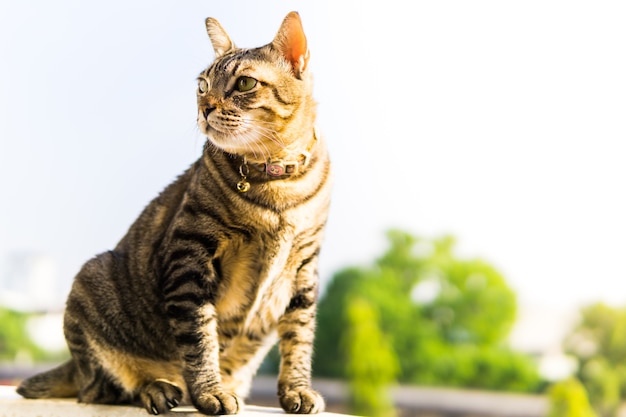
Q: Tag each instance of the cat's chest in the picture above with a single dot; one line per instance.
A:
(257, 281)
(258, 274)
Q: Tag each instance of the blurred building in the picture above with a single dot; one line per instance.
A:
(539, 331)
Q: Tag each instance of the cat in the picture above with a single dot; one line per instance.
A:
(223, 263)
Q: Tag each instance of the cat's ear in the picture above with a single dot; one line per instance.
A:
(219, 38)
(291, 43)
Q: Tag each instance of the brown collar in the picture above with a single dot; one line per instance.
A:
(276, 167)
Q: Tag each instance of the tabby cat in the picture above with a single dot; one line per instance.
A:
(223, 263)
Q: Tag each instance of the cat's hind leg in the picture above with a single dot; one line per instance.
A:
(118, 360)
(156, 385)
(58, 382)
(99, 387)
(128, 379)
(159, 396)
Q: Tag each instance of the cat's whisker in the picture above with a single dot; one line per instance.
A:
(263, 150)
(269, 134)
(252, 130)
(252, 142)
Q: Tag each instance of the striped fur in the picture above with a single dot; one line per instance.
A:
(208, 278)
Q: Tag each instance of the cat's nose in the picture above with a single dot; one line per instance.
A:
(206, 110)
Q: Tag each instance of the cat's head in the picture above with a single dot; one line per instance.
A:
(257, 102)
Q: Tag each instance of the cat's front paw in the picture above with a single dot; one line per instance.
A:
(301, 400)
(219, 402)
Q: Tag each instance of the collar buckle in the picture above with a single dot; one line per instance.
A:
(277, 168)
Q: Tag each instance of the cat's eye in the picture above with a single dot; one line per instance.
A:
(245, 84)
(203, 85)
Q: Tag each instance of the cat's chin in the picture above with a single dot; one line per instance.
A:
(244, 144)
(226, 143)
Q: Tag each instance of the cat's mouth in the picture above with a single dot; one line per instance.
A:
(243, 138)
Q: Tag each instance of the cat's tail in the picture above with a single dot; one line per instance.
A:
(55, 383)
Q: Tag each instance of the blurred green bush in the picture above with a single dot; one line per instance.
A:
(599, 344)
(16, 346)
(445, 319)
(568, 398)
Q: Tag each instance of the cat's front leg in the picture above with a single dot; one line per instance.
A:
(296, 330)
(188, 292)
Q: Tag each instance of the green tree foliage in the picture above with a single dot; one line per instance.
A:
(599, 343)
(13, 337)
(569, 399)
(371, 362)
(445, 318)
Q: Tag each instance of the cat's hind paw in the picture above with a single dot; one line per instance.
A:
(159, 397)
(301, 401)
(217, 403)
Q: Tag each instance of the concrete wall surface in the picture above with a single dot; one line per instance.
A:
(13, 405)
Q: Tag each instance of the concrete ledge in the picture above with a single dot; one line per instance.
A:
(13, 405)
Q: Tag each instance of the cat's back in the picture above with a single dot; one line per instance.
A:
(149, 228)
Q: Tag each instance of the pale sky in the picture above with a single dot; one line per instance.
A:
(500, 122)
